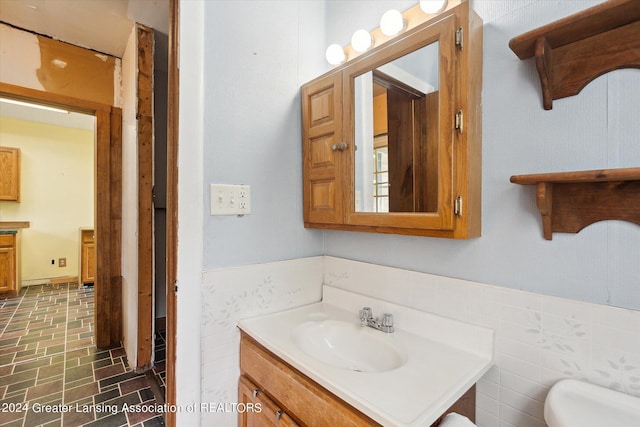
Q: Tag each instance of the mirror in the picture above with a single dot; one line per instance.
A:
(396, 134)
(392, 137)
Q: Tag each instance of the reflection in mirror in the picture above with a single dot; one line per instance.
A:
(396, 135)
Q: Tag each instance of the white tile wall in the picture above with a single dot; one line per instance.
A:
(231, 294)
(539, 339)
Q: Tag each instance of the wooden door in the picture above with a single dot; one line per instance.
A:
(324, 156)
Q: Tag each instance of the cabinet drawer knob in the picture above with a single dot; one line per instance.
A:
(255, 392)
(278, 415)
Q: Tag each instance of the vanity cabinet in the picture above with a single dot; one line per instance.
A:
(392, 138)
(10, 174)
(288, 397)
(87, 256)
(295, 395)
(8, 264)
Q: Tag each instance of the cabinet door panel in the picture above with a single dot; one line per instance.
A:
(10, 174)
(323, 162)
(7, 269)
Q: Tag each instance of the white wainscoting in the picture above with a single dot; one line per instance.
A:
(539, 339)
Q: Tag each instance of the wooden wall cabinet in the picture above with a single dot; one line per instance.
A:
(288, 397)
(87, 256)
(9, 271)
(10, 174)
(434, 139)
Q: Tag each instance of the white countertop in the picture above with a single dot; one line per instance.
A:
(444, 358)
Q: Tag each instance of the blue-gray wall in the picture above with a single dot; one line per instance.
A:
(597, 129)
(258, 53)
(256, 58)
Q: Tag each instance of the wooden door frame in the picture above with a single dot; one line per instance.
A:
(144, 136)
(108, 212)
(172, 206)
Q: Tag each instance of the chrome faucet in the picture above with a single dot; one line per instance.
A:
(385, 324)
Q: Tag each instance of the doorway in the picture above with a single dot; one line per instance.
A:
(107, 215)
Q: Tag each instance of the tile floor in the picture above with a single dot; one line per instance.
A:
(51, 373)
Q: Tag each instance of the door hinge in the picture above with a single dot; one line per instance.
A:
(459, 121)
(175, 287)
(457, 206)
(460, 38)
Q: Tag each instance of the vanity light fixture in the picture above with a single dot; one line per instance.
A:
(392, 23)
(335, 54)
(433, 6)
(361, 41)
(29, 104)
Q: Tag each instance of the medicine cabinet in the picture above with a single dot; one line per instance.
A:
(392, 138)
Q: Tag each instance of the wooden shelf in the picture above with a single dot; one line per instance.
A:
(573, 51)
(569, 201)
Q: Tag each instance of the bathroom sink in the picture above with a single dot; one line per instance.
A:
(348, 346)
(406, 378)
(576, 403)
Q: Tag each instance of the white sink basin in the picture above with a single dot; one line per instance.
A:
(573, 403)
(349, 346)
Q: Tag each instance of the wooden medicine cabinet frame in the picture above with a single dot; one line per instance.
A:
(329, 146)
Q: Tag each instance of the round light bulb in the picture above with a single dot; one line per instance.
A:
(335, 54)
(391, 22)
(361, 40)
(432, 6)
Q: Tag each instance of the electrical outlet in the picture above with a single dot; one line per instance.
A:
(244, 200)
(62, 262)
(230, 199)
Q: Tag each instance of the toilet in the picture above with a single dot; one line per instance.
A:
(574, 403)
(456, 420)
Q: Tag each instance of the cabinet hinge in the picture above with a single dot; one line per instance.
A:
(175, 287)
(459, 121)
(457, 206)
(460, 38)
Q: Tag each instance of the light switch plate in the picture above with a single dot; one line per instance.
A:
(229, 199)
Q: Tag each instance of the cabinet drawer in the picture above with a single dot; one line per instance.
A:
(7, 240)
(259, 410)
(307, 402)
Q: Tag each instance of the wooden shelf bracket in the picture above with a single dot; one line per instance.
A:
(573, 51)
(570, 201)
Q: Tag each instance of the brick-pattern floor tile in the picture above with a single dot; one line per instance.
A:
(48, 357)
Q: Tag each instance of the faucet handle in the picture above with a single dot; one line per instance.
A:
(387, 319)
(365, 313)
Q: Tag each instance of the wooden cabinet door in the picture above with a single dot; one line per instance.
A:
(10, 174)
(88, 263)
(7, 263)
(255, 409)
(324, 156)
(88, 257)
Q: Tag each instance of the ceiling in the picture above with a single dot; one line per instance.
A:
(102, 25)
(33, 114)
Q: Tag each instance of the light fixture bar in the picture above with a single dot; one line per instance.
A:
(31, 105)
(421, 12)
